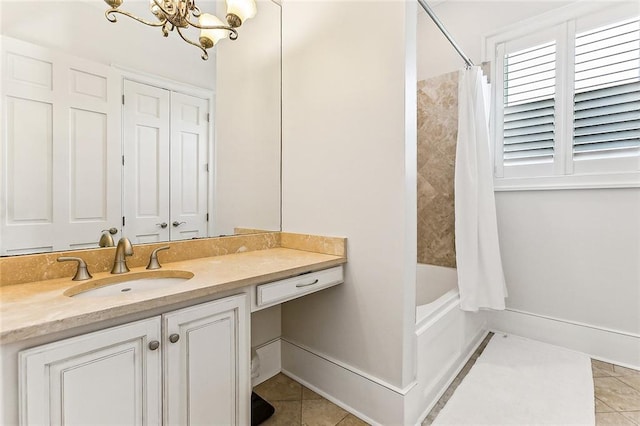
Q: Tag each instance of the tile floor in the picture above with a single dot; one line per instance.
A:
(297, 405)
(617, 398)
(617, 391)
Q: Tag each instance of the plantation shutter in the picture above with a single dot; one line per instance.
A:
(529, 106)
(607, 92)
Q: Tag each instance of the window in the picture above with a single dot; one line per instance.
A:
(566, 107)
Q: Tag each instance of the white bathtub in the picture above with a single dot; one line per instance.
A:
(436, 288)
(445, 337)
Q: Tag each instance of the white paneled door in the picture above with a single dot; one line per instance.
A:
(146, 163)
(60, 151)
(189, 140)
(165, 164)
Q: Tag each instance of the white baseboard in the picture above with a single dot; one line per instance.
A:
(270, 355)
(607, 345)
(343, 386)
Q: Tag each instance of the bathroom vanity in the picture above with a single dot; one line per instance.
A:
(176, 354)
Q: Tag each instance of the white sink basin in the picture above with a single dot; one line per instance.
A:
(131, 283)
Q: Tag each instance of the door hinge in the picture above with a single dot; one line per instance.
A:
(207, 217)
(122, 99)
(122, 220)
(208, 118)
(206, 167)
(123, 160)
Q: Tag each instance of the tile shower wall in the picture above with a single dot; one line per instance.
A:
(437, 135)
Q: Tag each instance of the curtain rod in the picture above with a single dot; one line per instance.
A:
(444, 31)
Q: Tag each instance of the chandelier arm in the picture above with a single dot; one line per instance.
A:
(233, 31)
(165, 12)
(111, 18)
(205, 55)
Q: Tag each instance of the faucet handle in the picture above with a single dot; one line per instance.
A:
(153, 259)
(82, 273)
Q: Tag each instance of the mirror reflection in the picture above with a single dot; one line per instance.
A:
(114, 130)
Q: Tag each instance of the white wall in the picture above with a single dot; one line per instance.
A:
(247, 125)
(573, 255)
(345, 113)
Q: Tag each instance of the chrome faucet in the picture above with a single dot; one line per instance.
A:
(123, 249)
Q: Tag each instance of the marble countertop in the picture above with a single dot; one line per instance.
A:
(38, 308)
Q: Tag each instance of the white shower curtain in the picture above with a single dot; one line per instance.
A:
(480, 276)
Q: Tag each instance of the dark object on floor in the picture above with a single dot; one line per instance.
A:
(261, 410)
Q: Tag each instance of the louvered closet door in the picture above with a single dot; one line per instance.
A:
(146, 162)
(189, 177)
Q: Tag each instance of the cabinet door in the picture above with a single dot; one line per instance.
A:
(146, 162)
(110, 377)
(189, 177)
(206, 369)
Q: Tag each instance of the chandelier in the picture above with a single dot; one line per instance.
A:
(182, 14)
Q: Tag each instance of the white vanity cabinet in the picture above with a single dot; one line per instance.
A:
(108, 377)
(206, 359)
(195, 359)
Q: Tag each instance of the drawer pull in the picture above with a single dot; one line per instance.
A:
(307, 285)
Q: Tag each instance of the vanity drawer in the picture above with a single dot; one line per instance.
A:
(283, 290)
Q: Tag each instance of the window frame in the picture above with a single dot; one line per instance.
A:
(560, 25)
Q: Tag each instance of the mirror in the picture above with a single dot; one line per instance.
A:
(240, 82)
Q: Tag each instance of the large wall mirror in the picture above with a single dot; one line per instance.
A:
(111, 129)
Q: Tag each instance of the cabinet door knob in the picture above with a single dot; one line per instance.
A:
(174, 338)
(154, 344)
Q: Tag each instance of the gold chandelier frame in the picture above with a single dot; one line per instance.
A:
(175, 15)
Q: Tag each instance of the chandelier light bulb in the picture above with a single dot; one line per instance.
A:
(208, 37)
(239, 11)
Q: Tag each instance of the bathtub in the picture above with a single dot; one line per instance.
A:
(436, 288)
(445, 337)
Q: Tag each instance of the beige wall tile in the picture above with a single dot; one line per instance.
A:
(617, 419)
(632, 380)
(601, 407)
(634, 416)
(616, 394)
(437, 136)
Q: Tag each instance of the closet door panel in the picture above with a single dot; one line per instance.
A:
(60, 153)
(93, 150)
(189, 176)
(146, 162)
